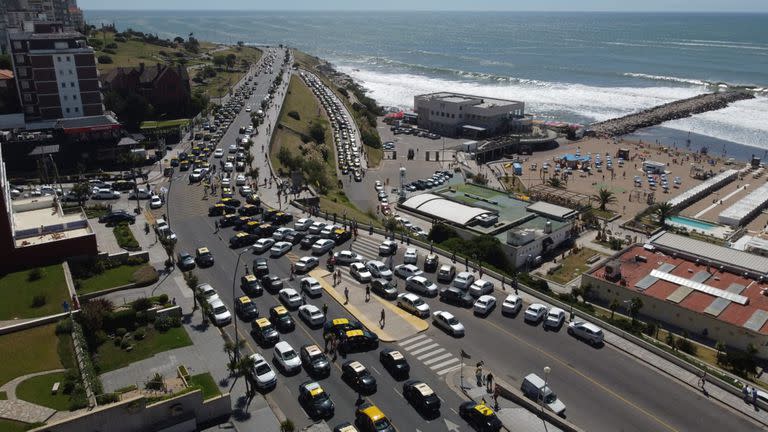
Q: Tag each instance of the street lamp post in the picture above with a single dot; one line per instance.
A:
(234, 279)
(547, 370)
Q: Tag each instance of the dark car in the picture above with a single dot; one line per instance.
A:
(272, 283)
(384, 288)
(339, 236)
(394, 362)
(228, 220)
(421, 396)
(249, 210)
(295, 237)
(116, 217)
(479, 416)
(246, 309)
(251, 286)
(357, 340)
(221, 209)
(231, 202)
(264, 332)
(269, 214)
(204, 257)
(358, 377)
(282, 218)
(241, 239)
(431, 263)
(253, 199)
(282, 319)
(316, 401)
(457, 297)
(309, 240)
(340, 325)
(186, 261)
(260, 267)
(315, 362)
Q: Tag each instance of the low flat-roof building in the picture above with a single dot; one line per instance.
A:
(713, 292)
(455, 114)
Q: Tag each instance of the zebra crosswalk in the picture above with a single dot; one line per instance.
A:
(431, 354)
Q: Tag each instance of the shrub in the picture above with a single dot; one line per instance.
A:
(141, 318)
(125, 318)
(134, 261)
(36, 274)
(105, 59)
(162, 298)
(109, 51)
(162, 324)
(71, 379)
(78, 399)
(107, 398)
(141, 304)
(155, 383)
(39, 300)
(124, 236)
(145, 275)
(121, 332)
(139, 334)
(125, 343)
(96, 43)
(317, 132)
(175, 321)
(294, 115)
(64, 326)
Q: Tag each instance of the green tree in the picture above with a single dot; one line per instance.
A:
(721, 352)
(231, 60)
(663, 211)
(82, 191)
(604, 197)
(634, 307)
(317, 132)
(219, 60)
(192, 281)
(169, 246)
(441, 232)
(613, 306)
(391, 224)
(92, 314)
(554, 182)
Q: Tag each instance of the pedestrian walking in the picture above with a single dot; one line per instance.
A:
(325, 309)
(479, 375)
(303, 298)
(703, 380)
(754, 396)
(367, 293)
(745, 392)
(334, 278)
(346, 295)
(293, 270)
(216, 224)
(338, 275)
(382, 319)
(489, 382)
(327, 339)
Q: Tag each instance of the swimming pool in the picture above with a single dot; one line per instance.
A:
(693, 223)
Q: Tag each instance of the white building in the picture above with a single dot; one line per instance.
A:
(454, 114)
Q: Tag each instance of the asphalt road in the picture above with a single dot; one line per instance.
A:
(603, 389)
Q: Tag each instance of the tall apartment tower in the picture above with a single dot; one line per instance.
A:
(55, 72)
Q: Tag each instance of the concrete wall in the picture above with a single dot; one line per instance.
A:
(667, 312)
(48, 253)
(182, 413)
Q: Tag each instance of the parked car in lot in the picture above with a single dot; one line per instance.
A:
(347, 257)
(262, 245)
(312, 315)
(117, 216)
(384, 288)
(410, 256)
(430, 263)
(484, 305)
(555, 318)
(464, 280)
(360, 272)
(404, 271)
(480, 287)
(387, 248)
(421, 285)
(279, 249)
(446, 273)
(155, 202)
(311, 286)
(511, 305)
(302, 224)
(586, 331)
(105, 194)
(307, 263)
(535, 313)
(537, 389)
(456, 297)
(322, 246)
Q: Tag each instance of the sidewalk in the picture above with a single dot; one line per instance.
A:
(23, 411)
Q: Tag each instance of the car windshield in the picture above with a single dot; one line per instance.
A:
(549, 397)
(418, 302)
(381, 424)
(262, 368)
(452, 320)
(220, 309)
(288, 355)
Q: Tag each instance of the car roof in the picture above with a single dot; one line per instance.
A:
(283, 346)
(373, 412)
(312, 349)
(262, 322)
(396, 355)
(356, 366)
(289, 291)
(310, 280)
(424, 389)
(445, 314)
(280, 310)
(486, 297)
(244, 300)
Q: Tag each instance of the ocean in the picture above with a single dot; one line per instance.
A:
(575, 67)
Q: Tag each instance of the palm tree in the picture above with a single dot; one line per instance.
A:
(554, 182)
(604, 197)
(192, 282)
(663, 211)
(287, 426)
(169, 246)
(634, 307)
(613, 306)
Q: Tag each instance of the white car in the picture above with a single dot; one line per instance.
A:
(287, 358)
(347, 257)
(405, 271)
(413, 304)
(218, 153)
(421, 285)
(360, 272)
(586, 331)
(164, 230)
(240, 180)
(105, 194)
(464, 280)
(484, 305)
(290, 298)
(219, 312)
(302, 224)
(196, 175)
(378, 185)
(511, 305)
(207, 292)
(265, 376)
(311, 315)
(281, 232)
(418, 231)
(311, 286)
(155, 202)
(316, 227)
(263, 244)
(233, 148)
(379, 270)
(410, 256)
(555, 318)
(248, 108)
(307, 263)
(322, 246)
(448, 322)
(535, 313)
(229, 166)
(480, 287)
(388, 247)
(280, 248)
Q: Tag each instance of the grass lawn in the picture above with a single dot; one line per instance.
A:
(38, 390)
(573, 265)
(134, 51)
(374, 156)
(207, 384)
(603, 214)
(163, 124)
(114, 277)
(342, 206)
(125, 238)
(28, 351)
(17, 293)
(14, 426)
(112, 357)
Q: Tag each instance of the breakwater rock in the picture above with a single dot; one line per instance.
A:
(670, 111)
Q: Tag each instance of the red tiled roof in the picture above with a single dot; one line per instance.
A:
(6, 74)
(633, 271)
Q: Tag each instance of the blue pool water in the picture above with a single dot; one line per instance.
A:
(693, 223)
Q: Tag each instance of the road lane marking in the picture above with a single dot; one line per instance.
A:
(430, 354)
(437, 359)
(375, 370)
(411, 340)
(426, 348)
(445, 363)
(417, 344)
(450, 369)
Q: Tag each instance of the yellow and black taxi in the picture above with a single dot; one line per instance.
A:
(282, 319)
(315, 362)
(175, 162)
(281, 218)
(357, 340)
(246, 309)
(480, 416)
(250, 285)
(340, 235)
(265, 230)
(254, 199)
(394, 361)
(226, 192)
(369, 418)
(242, 239)
(221, 210)
(228, 220)
(184, 165)
(242, 222)
(232, 202)
(340, 324)
(249, 210)
(345, 427)
(251, 226)
(421, 396)
(358, 377)
(316, 401)
(269, 214)
(203, 257)
(264, 332)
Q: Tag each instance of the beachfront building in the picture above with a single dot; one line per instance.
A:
(745, 209)
(455, 115)
(527, 231)
(690, 196)
(55, 72)
(713, 292)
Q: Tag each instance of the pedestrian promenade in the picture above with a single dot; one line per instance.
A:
(20, 410)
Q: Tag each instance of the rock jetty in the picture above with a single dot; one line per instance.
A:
(670, 111)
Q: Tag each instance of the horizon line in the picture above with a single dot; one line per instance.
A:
(731, 12)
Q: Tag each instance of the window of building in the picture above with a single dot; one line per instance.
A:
(66, 97)
(71, 84)
(22, 72)
(74, 97)
(70, 71)
(29, 109)
(19, 58)
(58, 58)
(77, 109)
(68, 58)
(67, 110)
(25, 85)
(27, 98)
(17, 45)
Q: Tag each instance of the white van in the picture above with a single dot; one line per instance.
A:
(535, 388)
